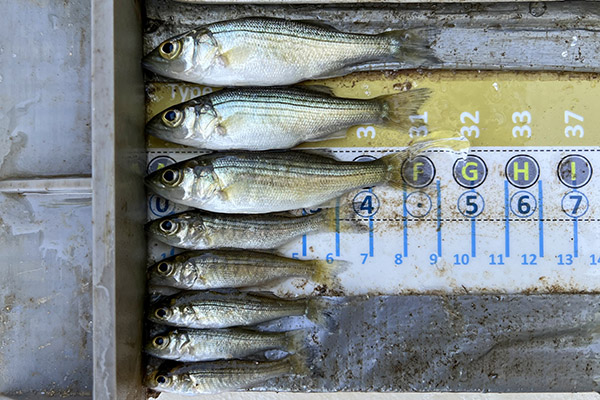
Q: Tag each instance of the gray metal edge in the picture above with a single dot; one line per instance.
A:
(118, 198)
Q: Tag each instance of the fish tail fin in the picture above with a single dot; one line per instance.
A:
(397, 108)
(413, 46)
(295, 341)
(394, 165)
(299, 364)
(325, 272)
(340, 219)
(319, 310)
(448, 140)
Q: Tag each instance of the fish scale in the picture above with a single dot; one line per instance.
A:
(222, 310)
(200, 270)
(211, 344)
(202, 230)
(250, 182)
(216, 376)
(277, 118)
(270, 52)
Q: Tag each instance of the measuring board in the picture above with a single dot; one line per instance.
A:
(518, 214)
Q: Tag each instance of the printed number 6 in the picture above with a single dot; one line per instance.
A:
(364, 132)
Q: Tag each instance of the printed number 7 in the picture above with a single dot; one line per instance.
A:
(577, 203)
(365, 256)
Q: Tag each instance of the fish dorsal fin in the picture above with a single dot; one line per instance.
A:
(318, 23)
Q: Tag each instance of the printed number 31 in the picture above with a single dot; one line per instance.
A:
(365, 132)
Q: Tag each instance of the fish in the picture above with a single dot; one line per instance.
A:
(277, 118)
(213, 310)
(216, 269)
(214, 344)
(221, 376)
(274, 181)
(202, 230)
(273, 52)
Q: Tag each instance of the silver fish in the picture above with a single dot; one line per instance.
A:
(216, 269)
(215, 344)
(261, 182)
(277, 118)
(221, 376)
(205, 310)
(198, 230)
(269, 52)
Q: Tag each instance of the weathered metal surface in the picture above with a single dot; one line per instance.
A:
(118, 278)
(554, 36)
(45, 240)
(456, 343)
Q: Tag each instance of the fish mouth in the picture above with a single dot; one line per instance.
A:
(148, 226)
(148, 64)
(152, 64)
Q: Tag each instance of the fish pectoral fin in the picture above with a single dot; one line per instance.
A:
(223, 194)
(335, 135)
(239, 55)
(221, 60)
(220, 129)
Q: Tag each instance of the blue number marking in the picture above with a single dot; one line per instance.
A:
(461, 259)
(329, 258)
(496, 259)
(365, 256)
(471, 203)
(296, 256)
(171, 253)
(577, 199)
(433, 259)
(595, 260)
(162, 205)
(529, 259)
(367, 204)
(398, 259)
(565, 259)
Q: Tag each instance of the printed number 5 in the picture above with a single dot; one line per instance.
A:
(365, 132)
(523, 117)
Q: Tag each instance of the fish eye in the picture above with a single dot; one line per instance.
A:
(164, 268)
(170, 115)
(161, 313)
(170, 177)
(168, 226)
(170, 49)
(159, 341)
(172, 118)
(161, 379)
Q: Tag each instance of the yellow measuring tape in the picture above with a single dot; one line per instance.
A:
(489, 108)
